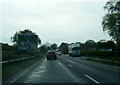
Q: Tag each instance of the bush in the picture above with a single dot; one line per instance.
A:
(97, 53)
(9, 55)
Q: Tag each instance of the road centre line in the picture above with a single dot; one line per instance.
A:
(92, 79)
(72, 75)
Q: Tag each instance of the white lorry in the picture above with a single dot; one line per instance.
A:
(74, 49)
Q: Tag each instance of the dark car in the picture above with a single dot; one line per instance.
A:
(51, 55)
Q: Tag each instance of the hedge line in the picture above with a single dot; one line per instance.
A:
(98, 53)
(102, 55)
(9, 55)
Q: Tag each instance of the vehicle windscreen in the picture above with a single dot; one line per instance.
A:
(51, 53)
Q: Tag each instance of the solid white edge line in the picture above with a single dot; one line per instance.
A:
(24, 72)
(92, 79)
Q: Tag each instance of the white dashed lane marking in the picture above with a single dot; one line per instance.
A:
(92, 79)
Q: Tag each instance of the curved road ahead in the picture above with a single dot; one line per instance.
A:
(68, 69)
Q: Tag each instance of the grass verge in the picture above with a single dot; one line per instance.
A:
(12, 69)
(113, 63)
(10, 55)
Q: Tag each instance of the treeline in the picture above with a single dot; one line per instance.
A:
(101, 45)
(101, 48)
(10, 52)
(6, 47)
(92, 48)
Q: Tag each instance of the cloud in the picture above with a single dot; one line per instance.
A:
(54, 21)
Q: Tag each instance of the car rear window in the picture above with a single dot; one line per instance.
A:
(52, 53)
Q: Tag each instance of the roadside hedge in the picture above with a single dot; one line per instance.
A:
(97, 53)
(9, 55)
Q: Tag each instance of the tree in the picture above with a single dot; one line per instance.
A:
(111, 45)
(7, 47)
(14, 38)
(111, 21)
(104, 44)
(89, 44)
(64, 48)
(43, 49)
(54, 46)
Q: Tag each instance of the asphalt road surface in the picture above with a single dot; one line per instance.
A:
(68, 69)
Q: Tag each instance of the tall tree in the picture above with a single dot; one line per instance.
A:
(104, 44)
(54, 46)
(89, 44)
(111, 21)
(43, 49)
(64, 48)
(14, 38)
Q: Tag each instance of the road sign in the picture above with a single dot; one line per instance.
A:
(27, 42)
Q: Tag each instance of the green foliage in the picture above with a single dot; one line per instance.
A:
(10, 52)
(43, 49)
(89, 44)
(9, 55)
(100, 48)
(105, 62)
(111, 21)
(6, 47)
(102, 44)
(14, 68)
(54, 46)
(64, 48)
(105, 45)
(26, 31)
(98, 53)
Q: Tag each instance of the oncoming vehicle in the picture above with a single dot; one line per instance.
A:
(74, 49)
(51, 55)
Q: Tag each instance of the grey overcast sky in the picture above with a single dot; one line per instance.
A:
(54, 21)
